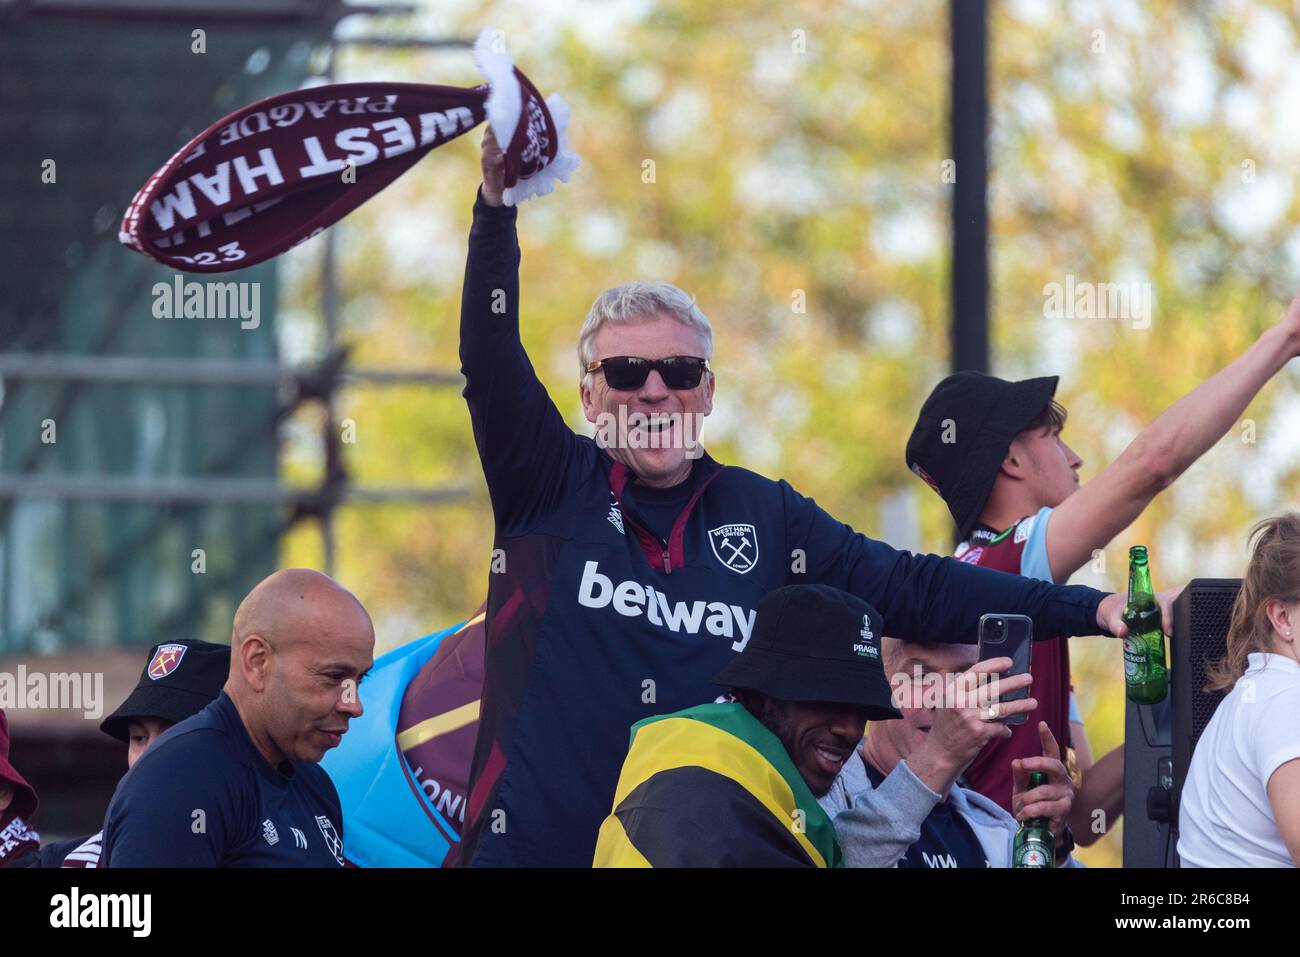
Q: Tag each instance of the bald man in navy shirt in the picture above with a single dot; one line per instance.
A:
(238, 784)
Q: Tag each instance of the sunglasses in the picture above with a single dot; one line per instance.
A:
(625, 373)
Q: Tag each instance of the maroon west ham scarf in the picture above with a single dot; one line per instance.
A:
(276, 173)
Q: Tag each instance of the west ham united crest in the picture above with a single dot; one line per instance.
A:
(736, 546)
(166, 660)
(332, 840)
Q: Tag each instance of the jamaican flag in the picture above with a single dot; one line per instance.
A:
(712, 787)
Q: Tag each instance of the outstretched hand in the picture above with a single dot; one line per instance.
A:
(1110, 613)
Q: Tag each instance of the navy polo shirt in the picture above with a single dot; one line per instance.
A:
(203, 796)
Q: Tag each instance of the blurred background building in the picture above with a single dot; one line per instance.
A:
(141, 494)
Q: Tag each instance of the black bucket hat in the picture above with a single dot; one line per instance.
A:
(815, 643)
(180, 679)
(963, 433)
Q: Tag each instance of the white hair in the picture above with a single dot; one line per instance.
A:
(636, 302)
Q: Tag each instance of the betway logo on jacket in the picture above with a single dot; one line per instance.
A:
(632, 599)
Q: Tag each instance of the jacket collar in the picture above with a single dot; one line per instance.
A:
(672, 553)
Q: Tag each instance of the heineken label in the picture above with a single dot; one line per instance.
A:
(1033, 853)
(1135, 658)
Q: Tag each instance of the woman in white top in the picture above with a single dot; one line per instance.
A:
(1240, 805)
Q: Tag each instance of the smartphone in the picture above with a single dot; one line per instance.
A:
(1008, 636)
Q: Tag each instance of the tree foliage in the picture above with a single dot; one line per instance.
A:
(784, 163)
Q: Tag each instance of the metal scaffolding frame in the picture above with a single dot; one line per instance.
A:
(319, 381)
(969, 282)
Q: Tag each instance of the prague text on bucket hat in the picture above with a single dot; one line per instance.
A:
(277, 172)
(179, 680)
(815, 643)
(963, 433)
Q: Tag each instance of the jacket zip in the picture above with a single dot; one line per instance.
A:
(643, 534)
(646, 536)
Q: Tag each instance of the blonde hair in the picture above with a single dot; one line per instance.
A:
(635, 302)
(1273, 573)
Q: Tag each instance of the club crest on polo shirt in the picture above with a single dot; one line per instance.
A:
(269, 833)
(866, 648)
(165, 660)
(332, 839)
(736, 546)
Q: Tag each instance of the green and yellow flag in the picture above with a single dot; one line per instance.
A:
(712, 787)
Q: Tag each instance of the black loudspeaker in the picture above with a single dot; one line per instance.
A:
(1201, 617)
(1159, 739)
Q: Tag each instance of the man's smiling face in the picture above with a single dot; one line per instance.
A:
(819, 737)
(664, 409)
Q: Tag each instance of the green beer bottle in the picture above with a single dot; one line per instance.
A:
(1035, 844)
(1144, 648)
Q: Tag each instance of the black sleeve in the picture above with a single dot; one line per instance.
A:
(927, 598)
(527, 450)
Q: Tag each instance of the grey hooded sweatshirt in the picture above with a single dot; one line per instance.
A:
(876, 826)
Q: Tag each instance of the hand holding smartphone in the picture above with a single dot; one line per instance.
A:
(1008, 636)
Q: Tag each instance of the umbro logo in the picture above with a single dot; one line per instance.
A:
(615, 515)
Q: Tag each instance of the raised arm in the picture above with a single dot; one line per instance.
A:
(523, 442)
(1105, 506)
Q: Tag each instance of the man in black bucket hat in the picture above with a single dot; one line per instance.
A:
(180, 678)
(963, 434)
(735, 783)
(992, 449)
